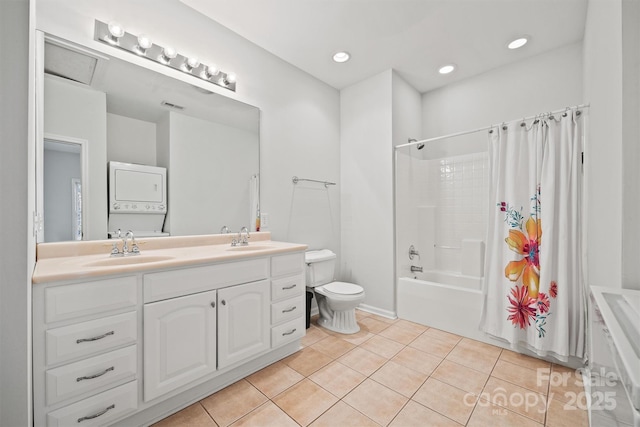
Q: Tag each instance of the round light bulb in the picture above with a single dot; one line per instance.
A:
(211, 71)
(192, 63)
(144, 41)
(341, 57)
(517, 43)
(168, 53)
(115, 29)
(447, 69)
(231, 77)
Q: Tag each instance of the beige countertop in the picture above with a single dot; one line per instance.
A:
(92, 259)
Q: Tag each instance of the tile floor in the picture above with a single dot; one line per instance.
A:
(394, 373)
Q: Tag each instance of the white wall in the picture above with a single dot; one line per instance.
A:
(630, 142)
(73, 110)
(603, 155)
(203, 155)
(130, 140)
(300, 120)
(16, 184)
(366, 155)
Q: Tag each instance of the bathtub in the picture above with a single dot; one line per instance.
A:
(444, 300)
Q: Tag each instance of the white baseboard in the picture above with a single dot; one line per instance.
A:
(378, 311)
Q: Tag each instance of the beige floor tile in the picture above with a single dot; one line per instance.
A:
(460, 376)
(399, 378)
(399, 334)
(474, 359)
(305, 401)
(561, 414)
(417, 360)
(446, 400)
(517, 399)
(362, 361)
(524, 360)
(307, 361)
(233, 402)
(274, 379)
(193, 415)
(333, 347)
(382, 346)
(338, 379)
(356, 339)
(524, 377)
(268, 415)
(443, 336)
(414, 414)
(432, 345)
(360, 314)
(480, 347)
(486, 414)
(411, 326)
(313, 335)
(343, 415)
(372, 325)
(565, 383)
(367, 398)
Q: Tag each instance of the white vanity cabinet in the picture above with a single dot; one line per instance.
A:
(131, 350)
(179, 342)
(85, 352)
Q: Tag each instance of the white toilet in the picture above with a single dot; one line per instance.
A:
(337, 301)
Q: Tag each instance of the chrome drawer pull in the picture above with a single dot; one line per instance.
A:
(288, 333)
(289, 310)
(90, 417)
(95, 338)
(90, 377)
(284, 288)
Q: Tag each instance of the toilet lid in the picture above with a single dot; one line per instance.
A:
(343, 288)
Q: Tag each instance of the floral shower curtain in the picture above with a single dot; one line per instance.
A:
(533, 289)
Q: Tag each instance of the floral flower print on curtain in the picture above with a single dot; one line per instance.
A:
(526, 301)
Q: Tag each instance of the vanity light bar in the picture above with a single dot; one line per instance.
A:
(143, 47)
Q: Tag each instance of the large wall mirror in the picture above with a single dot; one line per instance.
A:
(99, 109)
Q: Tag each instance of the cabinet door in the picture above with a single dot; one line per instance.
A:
(243, 322)
(179, 342)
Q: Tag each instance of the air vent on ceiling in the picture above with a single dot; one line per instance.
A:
(70, 64)
(173, 106)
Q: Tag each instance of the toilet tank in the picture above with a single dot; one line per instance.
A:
(320, 267)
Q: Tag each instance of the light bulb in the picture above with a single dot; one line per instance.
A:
(168, 53)
(115, 32)
(144, 43)
(447, 69)
(517, 43)
(211, 71)
(341, 57)
(191, 63)
(231, 78)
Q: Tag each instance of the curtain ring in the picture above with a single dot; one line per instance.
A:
(523, 124)
(565, 112)
(504, 126)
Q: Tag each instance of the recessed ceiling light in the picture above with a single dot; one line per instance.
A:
(519, 42)
(341, 57)
(446, 69)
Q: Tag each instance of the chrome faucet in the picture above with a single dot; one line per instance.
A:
(125, 247)
(244, 241)
(413, 252)
(114, 250)
(224, 230)
(414, 269)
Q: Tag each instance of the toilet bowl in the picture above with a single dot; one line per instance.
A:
(337, 301)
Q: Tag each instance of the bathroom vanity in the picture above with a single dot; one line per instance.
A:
(131, 340)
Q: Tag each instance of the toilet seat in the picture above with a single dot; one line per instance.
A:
(343, 288)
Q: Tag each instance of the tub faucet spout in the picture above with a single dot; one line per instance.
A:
(415, 268)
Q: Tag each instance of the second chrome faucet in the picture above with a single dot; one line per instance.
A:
(241, 240)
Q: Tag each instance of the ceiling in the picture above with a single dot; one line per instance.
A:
(413, 37)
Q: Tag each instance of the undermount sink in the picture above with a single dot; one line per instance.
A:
(136, 259)
(250, 248)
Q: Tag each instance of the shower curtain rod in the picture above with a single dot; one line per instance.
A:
(437, 138)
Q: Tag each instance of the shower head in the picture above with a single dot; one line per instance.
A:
(419, 146)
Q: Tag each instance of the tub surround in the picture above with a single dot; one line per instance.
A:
(78, 260)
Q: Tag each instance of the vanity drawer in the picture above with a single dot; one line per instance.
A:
(287, 332)
(282, 265)
(170, 284)
(83, 339)
(287, 287)
(100, 409)
(90, 374)
(287, 309)
(71, 301)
